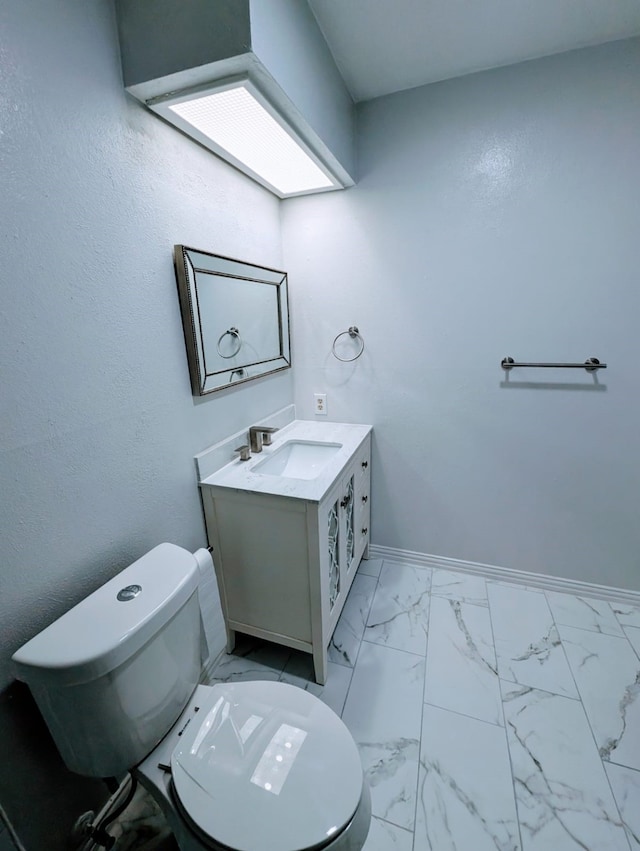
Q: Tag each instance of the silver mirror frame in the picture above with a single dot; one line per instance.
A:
(205, 377)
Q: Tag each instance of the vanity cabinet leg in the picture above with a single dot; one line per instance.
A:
(231, 640)
(320, 664)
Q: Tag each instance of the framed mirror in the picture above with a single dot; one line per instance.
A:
(235, 317)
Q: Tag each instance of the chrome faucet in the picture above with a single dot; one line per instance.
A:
(259, 435)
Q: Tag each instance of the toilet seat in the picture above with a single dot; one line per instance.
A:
(266, 765)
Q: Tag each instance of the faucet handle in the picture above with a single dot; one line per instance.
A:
(267, 431)
(245, 452)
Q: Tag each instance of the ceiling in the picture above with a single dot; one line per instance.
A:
(384, 46)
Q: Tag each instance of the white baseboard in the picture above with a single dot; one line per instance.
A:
(507, 574)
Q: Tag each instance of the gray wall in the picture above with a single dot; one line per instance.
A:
(166, 37)
(98, 427)
(495, 215)
(287, 40)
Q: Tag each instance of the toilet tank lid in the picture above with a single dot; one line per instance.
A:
(111, 624)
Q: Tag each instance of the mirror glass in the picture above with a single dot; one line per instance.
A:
(235, 317)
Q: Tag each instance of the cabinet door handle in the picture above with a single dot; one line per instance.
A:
(365, 529)
(344, 502)
(365, 498)
(365, 464)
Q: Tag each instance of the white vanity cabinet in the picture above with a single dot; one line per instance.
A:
(285, 563)
(343, 524)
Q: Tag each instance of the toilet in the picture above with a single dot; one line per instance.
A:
(239, 766)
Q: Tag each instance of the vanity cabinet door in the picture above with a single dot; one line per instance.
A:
(332, 549)
(331, 556)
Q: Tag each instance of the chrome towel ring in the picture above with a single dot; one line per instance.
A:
(353, 333)
(234, 333)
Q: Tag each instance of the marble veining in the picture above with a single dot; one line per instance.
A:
(462, 673)
(527, 642)
(384, 836)
(345, 643)
(627, 615)
(386, 725)
(399, 616)
(459, 586)
(594, 615)
(564, 799)
(519, 730)
(252, 659)
(466, 797)
(625, 784)
(607, 671)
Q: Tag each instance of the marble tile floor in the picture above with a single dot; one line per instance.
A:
(488, 715)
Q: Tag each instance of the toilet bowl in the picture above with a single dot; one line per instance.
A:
(245, 766)
(259, 765)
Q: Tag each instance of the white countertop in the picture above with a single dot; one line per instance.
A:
(240, 475)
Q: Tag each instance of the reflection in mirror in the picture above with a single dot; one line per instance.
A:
(235, 317)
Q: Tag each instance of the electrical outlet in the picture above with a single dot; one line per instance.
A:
(320, 404)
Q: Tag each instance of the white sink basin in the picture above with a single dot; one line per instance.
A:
(298, 459)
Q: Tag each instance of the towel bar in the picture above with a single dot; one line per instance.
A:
(591, 365)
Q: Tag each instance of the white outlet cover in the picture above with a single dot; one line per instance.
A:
(320, 404)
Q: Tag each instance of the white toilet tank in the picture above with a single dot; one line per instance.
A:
(112, 675)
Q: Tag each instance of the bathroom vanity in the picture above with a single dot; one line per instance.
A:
(288, 529)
